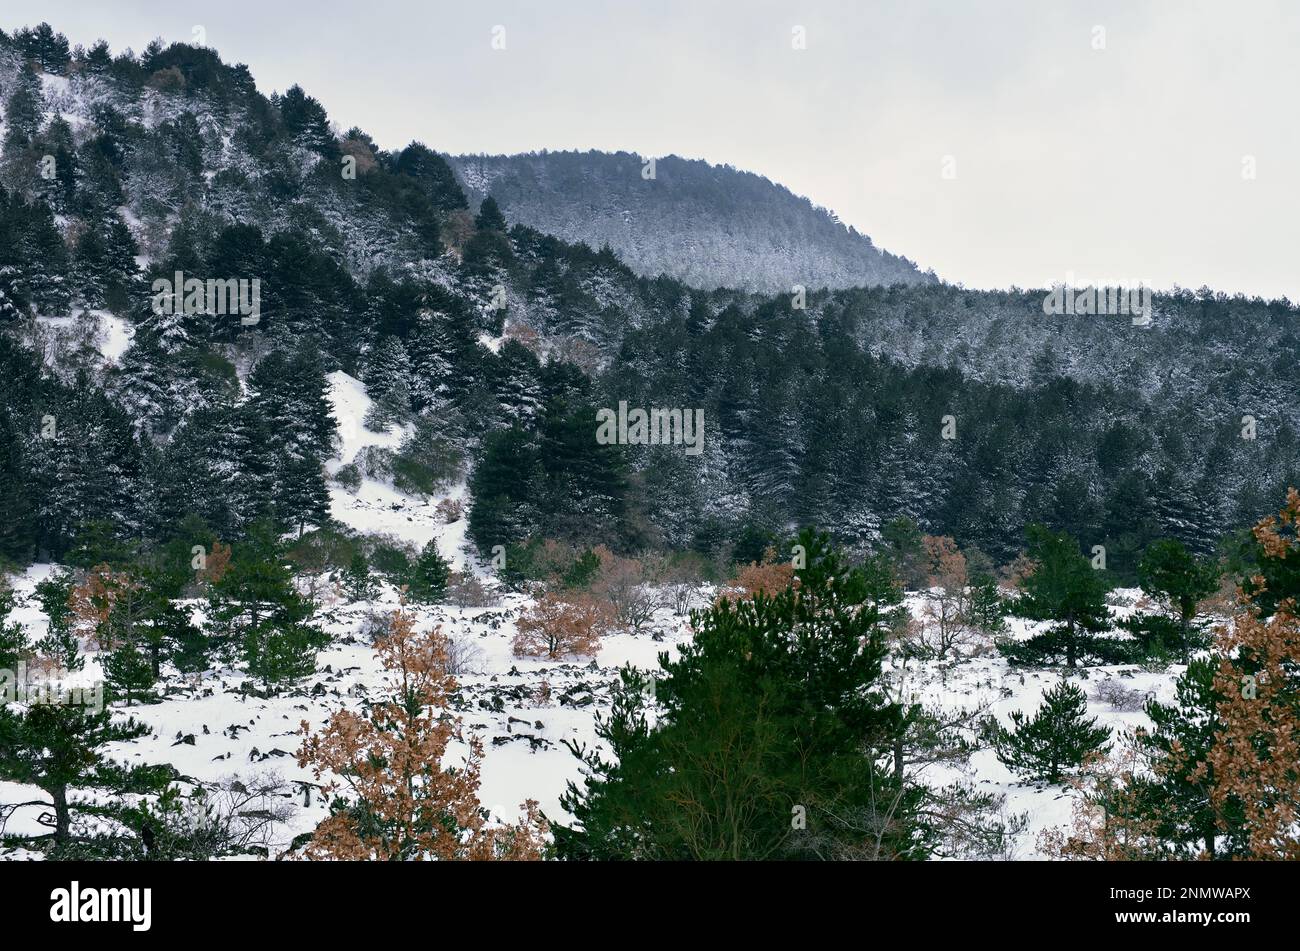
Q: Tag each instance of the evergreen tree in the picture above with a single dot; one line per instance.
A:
(46, 48)
(585, 484)
(22, 114)
(1059, 737)
(489, 216)
(434, 176)
(256, 611)
(14, 644)
(902, 538)
(18, 530)
(429, 575)
(764, 738)
(1177, 793)
(504, 488)
(1255, 763)
(290, 408)
(305, 122)
(445, 359)
(357, 583)
(60, 641)
(127, 672)
(59, 748)
(1179, 581)
(387, 368)
(985, 607)
(517, 382)
(129, 633)
(1065, 590)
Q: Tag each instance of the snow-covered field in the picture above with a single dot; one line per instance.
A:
(213, 729)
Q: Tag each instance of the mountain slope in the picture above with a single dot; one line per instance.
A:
(707, 225)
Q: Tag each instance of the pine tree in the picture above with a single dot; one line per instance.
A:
(435, 177)
(306, 122)
(290, 408)
(255, 610)
(442, 348)
(60, 641)
(387, 367)
(14, 644)
(388, 384)
(1178, 792)
(1256, 757)
(127, 672)
(46, 48)
(18, 530)
(1180, 581)
(489, 217)
(504, 488)
(986, 609)
(517, 382)
(586, 486)
(1058, 738)
(903, 542)
(763, 738)
(429, 575)
(1065, 590)
(357, 583)
(279, 653)
(126, 635)
(22, 112)
(59, 748)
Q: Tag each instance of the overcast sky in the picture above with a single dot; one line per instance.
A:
(1124, 162)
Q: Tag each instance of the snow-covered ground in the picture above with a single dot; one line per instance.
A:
(214, 729)
(377, 508)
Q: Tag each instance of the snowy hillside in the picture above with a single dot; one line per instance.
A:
(708, 225)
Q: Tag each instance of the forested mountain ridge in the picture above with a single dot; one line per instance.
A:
(706, 225)
(494, 344)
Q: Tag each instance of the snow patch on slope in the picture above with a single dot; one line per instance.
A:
(377, 507)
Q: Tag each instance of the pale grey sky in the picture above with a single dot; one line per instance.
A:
(1122, 163)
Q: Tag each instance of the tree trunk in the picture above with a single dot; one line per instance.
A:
(62, 816)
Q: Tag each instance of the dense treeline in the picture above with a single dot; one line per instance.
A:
(970, 414)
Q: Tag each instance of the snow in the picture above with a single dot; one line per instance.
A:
(377, 508)
(116, 335)
(348, 398)
(524, 752)
(112, 334)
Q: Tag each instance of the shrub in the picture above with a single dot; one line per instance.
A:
(464, 656)
(769, 577)
(465, 591)
(428, 461)
(556, 627)
(393, 558)
(349, 476)
(450, 510)
(621, 583)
